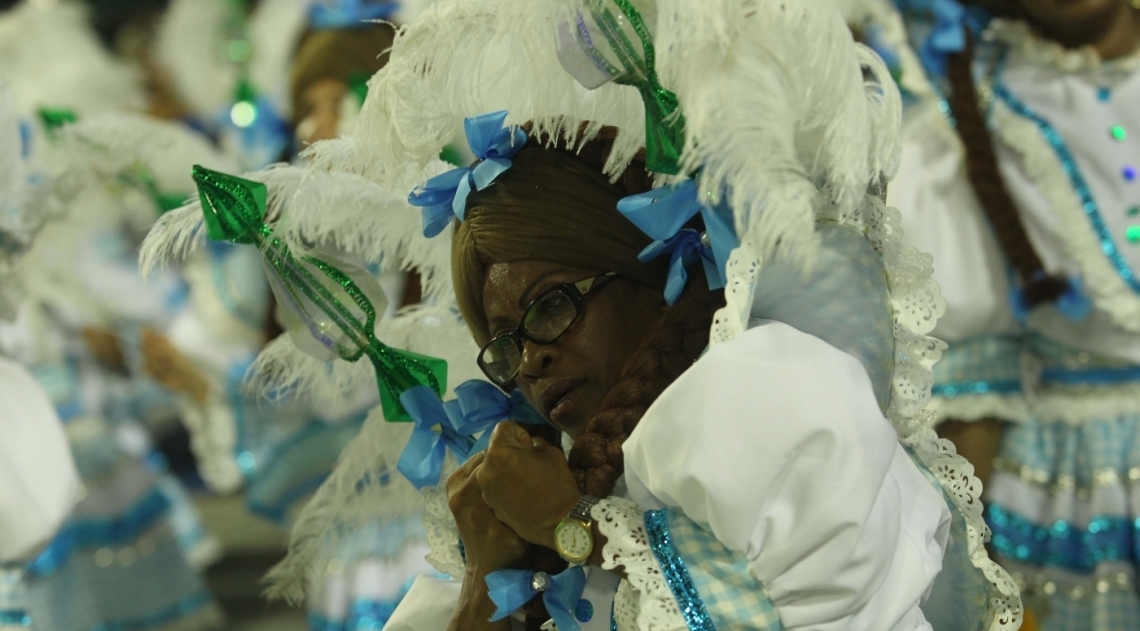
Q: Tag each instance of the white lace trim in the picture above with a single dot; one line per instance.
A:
(1081, 243)
(627, 546)
(1027, 45)
(918, 304)
(975, 407)
(956, 476)
(442, 533)
(626, 607)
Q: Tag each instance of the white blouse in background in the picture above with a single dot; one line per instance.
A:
(38, 481)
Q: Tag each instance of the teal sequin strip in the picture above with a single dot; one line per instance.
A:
(962, 388)
(1080, 185)
(99, 533)
(1095, 377)
(14, 618)
(1107, 540)
(676, 574)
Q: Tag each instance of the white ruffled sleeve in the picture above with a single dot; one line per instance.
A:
(38, 481)
(772, 447)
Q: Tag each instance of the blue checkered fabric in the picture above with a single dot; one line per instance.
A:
(732, 595)
(994, 360)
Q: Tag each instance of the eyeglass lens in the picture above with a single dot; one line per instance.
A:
(547, 318)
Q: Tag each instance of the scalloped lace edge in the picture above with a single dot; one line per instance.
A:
(1080, 242)
(910, 276)
(442, 533)
(627, 546)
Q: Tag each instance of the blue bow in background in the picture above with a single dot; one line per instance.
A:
(330, 14)
(479, 407)
(948, 32)
(661, 214)
(1073, 304)
(445, 196)
(511, 589)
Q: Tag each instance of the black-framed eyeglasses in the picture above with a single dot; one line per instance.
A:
(545, 320)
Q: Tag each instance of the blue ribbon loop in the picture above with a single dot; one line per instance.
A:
(340, 14)
(1074, 304)
(445, 196)
(479, 407)
(662, 213)
(511, 589)
(422, 459)
(948, 33)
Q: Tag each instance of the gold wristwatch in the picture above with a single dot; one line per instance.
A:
(574, 536)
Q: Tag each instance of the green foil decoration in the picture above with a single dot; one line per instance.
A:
(53, 118)
(329, 306)
(664, 123)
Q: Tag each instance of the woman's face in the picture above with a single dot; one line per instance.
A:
(320, 111)
(1074, 22)
(566, 381)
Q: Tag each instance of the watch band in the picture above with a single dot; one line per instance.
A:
(581, 510)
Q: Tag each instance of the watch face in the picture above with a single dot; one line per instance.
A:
(574, 540)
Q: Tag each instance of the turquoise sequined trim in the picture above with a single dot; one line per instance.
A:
(1108, 539)
(15, 618)
(101, 533)
(951, 390)
(1088, 203)
(1101, 376)
(675, 572)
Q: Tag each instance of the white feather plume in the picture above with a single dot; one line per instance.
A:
(50, 57)
(364, 485)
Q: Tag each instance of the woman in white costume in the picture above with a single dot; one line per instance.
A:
(1040, 100)
(784, 479)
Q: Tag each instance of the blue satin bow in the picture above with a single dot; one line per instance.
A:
(511, 589)
(1073, 304)
(479, 407)
(338, 14)
(662, 212)
(948, 34)
(445, 196)
(422, 460)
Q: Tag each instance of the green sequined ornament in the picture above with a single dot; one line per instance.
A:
(329, 306)
(664, 124)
